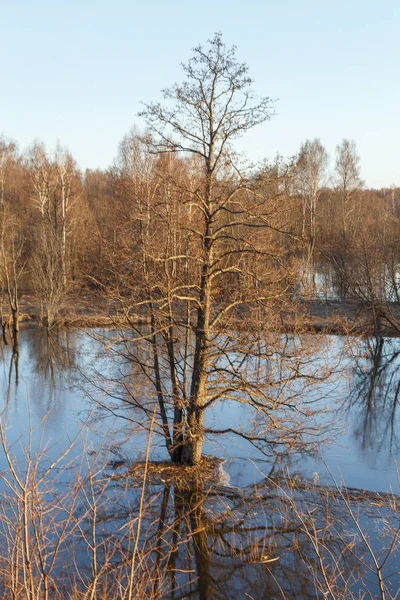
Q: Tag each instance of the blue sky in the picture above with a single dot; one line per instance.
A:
(76, 71)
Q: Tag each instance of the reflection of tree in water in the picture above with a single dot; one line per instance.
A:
(52, 359)
(10, 355)
(375, 393)
(53, 352)
(224, 543)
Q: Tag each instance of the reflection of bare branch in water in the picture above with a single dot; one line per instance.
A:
(375, 394)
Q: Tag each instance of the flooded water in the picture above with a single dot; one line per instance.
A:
(326, 282)
(237, 541)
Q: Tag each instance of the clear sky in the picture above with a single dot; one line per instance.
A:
(76, 71)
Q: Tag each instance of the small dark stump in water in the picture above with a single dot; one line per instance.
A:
(116, 464)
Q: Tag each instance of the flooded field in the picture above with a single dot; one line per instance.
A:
(264, 522)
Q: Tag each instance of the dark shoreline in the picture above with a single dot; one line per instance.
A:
(327, 317)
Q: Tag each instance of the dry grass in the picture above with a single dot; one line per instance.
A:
(182, 476)
(104, 321)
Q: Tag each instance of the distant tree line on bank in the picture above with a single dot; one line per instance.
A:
(63, 230)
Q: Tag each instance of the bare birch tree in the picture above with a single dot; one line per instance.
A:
(347, 180)
(66, 176)
(311, 176)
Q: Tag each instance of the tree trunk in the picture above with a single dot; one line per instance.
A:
(195, 433)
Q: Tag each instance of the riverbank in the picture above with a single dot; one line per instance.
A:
(77, 311)
(351, 317)
(330, 317)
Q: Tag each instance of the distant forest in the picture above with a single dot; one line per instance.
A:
(65, 231)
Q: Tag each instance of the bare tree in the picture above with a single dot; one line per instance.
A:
(11, 242)
(68, 193)
(347, 179)
(42, 179)
(54, 191)
(11, 267)
(311, 177)
(211, 108)
(203, 260)
(8, 150)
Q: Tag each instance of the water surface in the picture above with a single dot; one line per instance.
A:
(50, 391)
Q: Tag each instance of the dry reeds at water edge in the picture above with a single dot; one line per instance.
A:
(78, 528)
(70, 529)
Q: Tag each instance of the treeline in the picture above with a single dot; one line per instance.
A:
(63, 231)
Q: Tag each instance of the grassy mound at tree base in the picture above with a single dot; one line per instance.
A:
(184, 476)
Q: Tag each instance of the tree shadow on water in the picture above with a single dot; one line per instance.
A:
(375, 394)
(278, 539)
